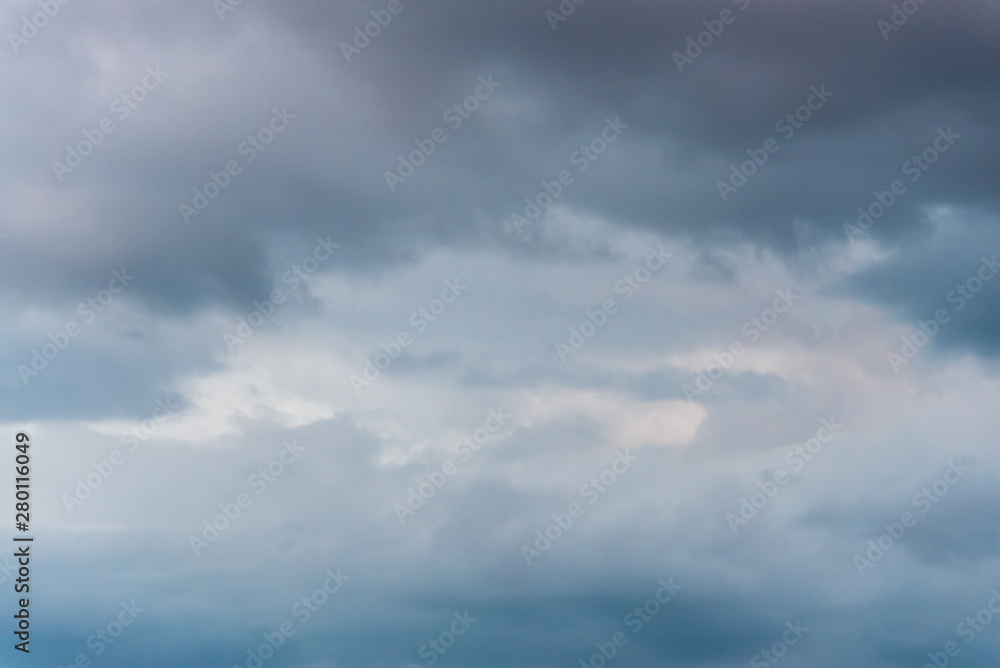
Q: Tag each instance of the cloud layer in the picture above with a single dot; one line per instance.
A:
(500, 329)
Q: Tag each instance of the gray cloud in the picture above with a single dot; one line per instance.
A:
(322, 180)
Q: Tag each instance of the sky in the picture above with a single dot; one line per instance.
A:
(404, 333)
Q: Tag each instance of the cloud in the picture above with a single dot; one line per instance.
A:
(275, 262)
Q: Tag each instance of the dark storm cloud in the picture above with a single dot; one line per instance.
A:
(889, 99)
(325, 176)
(951, 268)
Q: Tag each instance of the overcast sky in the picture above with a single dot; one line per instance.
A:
(408, 333)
